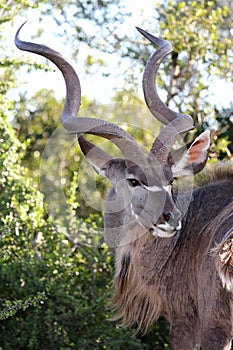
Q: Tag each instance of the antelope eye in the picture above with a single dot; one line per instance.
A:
(133, 182)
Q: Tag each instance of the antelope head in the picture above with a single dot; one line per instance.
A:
(141, 195)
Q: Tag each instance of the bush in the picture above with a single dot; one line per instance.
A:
(54, 293)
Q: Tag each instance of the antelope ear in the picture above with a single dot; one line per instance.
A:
(111, 168)
(191, 159)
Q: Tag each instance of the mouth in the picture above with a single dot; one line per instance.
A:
(165, 230)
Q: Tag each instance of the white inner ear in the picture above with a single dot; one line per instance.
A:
(196, 154)
(199, 148)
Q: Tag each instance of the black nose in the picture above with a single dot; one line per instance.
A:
(173, 218)
(167, 216)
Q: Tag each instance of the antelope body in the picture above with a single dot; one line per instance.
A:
(174, 251)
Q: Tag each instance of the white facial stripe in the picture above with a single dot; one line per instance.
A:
(152, 188)
(132, 211)
(167, 188)
(135, 215)
(157, 188)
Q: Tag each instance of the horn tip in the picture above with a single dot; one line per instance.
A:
(153, 39)
(17, 34)
(142, 31)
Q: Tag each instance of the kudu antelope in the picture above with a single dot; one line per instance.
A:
(169, 261)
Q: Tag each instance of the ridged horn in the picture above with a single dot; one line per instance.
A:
(77, 125)
(177, 123)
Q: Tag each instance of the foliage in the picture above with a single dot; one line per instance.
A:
(201, 35)
(39, 119)
(101, 32)
(61, 286)
(54, 290)
(11, 308)
(202, 48)
(224, 118)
